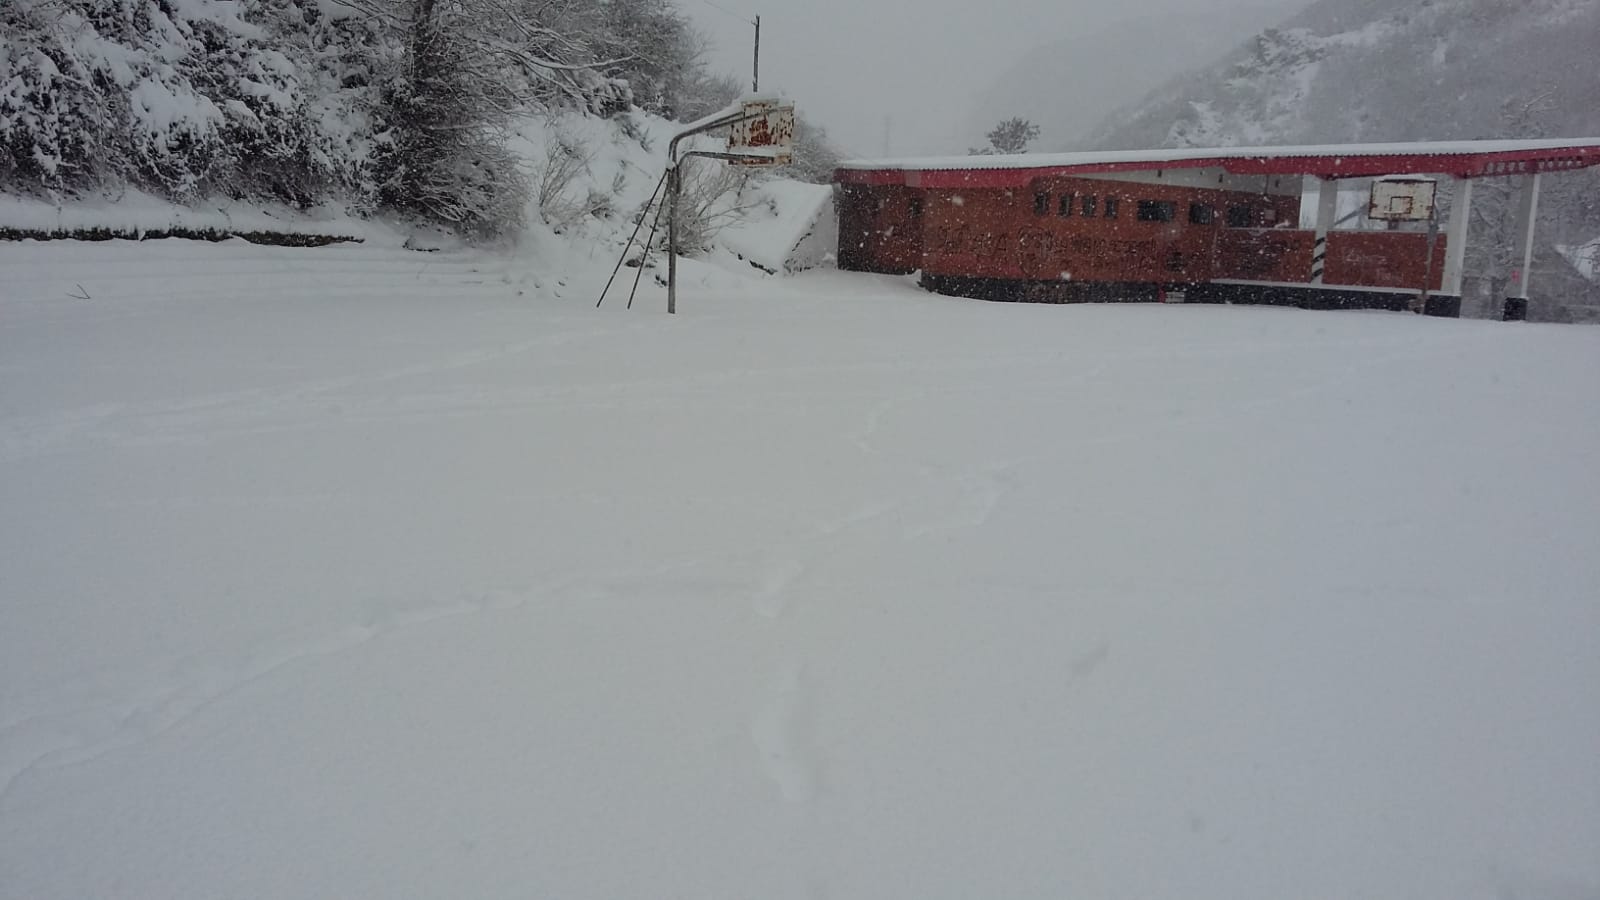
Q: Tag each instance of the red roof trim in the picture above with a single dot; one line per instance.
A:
(876, 177)
(1355, 165)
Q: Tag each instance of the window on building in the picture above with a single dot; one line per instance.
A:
(1067, 203)
(1111, 207)
(1157, 211)
(1090, 204)
(1241, 217)
(914, 207)
(1202, 213)
(1041, 204)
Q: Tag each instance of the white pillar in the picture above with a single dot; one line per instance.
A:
(1327, 212)
(1455, 251)
(1527, 216)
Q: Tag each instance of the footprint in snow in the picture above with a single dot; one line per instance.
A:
(778, 731)
(772, 598)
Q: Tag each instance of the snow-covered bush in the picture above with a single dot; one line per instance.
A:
(182, 98)
(58, 102)
(565, 160)
(711, 197)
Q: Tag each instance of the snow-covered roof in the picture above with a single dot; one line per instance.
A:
(1465, 158)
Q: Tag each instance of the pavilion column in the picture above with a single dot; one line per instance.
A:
(1327, 213)
(1516, 306)
(1455, 256)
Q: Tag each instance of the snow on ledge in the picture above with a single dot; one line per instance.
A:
(136, 211)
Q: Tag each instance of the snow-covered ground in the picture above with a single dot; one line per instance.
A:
(353, 572)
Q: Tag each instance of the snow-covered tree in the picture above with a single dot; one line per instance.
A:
(651, 45)
(708, 94)
(442, 156)
(1010, 136)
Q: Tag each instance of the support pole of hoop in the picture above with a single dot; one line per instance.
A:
(675, 184)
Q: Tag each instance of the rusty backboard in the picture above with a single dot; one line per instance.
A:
(766, 137)
(1402, 199)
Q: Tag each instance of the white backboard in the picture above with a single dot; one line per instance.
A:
(1402, 199)
(767, 137)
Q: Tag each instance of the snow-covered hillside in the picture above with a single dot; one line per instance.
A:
(593, 179)
(405, 108)
(1351, 71)
(356, 572)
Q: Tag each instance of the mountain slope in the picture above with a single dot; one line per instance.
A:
(1357, 70)
(1068, 85)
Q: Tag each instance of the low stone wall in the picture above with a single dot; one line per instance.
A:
(273, 238)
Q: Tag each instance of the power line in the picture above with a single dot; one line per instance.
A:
(755, 80)
(720, 7)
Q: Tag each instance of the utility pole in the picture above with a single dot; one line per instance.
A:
(755, 76)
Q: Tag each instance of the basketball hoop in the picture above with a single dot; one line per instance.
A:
(763, 136)
(1402, 200)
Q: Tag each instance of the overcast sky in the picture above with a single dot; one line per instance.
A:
(849, 64)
